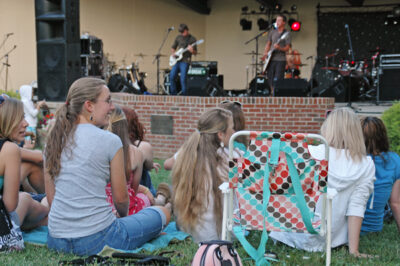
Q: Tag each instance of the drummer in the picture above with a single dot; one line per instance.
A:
(293, 64)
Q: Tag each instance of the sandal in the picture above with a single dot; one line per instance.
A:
(164, 190)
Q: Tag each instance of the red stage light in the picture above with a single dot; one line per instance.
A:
(296, 26)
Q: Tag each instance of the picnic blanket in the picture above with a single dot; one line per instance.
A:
(38, 236)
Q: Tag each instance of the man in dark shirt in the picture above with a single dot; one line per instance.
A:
(182, 41)
(276, 67)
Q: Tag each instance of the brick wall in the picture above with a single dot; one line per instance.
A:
(280, 114)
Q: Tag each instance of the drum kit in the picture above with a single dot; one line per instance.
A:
(361, 75)
(259, 85)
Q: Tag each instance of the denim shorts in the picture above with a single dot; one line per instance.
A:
(125, 233)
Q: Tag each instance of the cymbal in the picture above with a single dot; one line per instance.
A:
(294, 54)
(140, 54)
(252, 53)
(259, 64)
(300, 65)
(160, 55)
(329, 68)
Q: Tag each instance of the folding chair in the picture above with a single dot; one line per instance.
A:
(277, 167)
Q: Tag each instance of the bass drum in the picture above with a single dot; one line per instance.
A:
(259, 86)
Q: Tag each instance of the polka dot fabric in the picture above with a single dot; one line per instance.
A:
(247, 174)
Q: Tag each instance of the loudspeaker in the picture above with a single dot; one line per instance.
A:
(58, 47)
(204, 85)
(291, 88)
(389, 80)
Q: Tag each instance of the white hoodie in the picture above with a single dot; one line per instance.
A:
(30, 111)
(354, 182)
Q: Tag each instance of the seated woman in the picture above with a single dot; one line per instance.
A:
(80, 159)
(239, 123)
(351, 173)
(23, 210)
(201, 166)
(387, 171)
(136, 136)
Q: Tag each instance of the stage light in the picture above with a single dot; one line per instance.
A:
(245, 9)
(246, 24)
(396, 11)
(278, 7)
(296, 26)
(262, 8)
(262, 24)
(293, 8)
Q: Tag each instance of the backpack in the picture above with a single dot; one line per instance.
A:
(216, 253)
(10, 234)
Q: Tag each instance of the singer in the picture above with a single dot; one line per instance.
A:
(183, 40)
(279, 46)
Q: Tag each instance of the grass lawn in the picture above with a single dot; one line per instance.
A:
(385, 244)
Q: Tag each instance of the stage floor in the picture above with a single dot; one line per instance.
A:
(367, 108)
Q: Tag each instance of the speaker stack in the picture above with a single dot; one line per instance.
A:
(291, 88)
(58, 47)
(389, 78)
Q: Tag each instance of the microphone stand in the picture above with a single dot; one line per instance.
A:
(351, 52)
(256, 66)
(157, 58)
(7, 64)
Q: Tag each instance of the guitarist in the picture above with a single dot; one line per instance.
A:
(276, 67)
(183, 40)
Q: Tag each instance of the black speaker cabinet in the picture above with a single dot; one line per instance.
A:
(389, 84)
(58, 47)
(204, 85)
(291, 88)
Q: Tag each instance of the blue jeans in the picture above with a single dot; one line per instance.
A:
(183, 68)
(146, 181)
(125, 233)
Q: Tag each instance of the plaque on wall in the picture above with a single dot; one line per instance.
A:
(162, 124)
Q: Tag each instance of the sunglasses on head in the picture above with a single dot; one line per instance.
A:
(3, 97)
(234, 102)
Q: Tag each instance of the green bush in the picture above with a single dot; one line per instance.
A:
(391, 118)
(12, 94)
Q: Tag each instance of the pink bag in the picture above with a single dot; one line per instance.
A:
(216, 253)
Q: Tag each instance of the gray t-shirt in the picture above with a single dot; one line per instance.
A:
(273, 37)
(79, 207)
(183, 42)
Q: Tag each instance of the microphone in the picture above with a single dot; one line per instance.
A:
(9, 34)
(171, 28)
(275, 26)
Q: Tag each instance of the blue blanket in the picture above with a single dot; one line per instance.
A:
(38, 236)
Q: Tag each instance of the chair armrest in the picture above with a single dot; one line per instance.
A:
(224, 187)
(331, 193)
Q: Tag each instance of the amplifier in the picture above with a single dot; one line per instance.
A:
(388, 83)
(197, 71)
(389, 61)
(211, 66)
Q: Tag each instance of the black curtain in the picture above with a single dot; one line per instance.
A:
(368, 31)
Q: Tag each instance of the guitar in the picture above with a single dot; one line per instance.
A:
(177, 56)
(271, 51)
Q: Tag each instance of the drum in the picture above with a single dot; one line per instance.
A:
(359, 68)
(167, 83)
(344, 68)
(259, 86)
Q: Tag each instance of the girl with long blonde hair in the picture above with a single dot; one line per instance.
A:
(201, 166)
